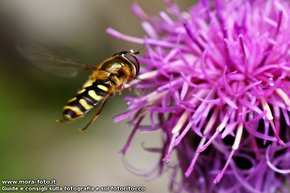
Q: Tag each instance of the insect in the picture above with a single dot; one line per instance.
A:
(106, 79)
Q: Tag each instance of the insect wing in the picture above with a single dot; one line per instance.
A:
(49, 61)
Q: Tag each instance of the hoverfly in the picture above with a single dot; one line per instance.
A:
(106, 79)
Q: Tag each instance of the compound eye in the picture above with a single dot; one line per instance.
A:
(134, 61)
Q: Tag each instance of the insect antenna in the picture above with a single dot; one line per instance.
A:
(137, 52)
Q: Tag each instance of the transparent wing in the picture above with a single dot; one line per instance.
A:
(49, 61)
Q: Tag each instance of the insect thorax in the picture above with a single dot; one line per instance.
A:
(119, 68)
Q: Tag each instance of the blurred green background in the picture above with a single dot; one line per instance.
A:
(32, 144)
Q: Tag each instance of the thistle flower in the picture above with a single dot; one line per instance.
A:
(216, 82)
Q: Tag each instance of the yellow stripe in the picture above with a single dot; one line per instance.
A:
(74, 109)
(93, 94)
(102, 87)
(85, 104)
(88, 83)
(81, 91)
(73, 99)
(67, 117)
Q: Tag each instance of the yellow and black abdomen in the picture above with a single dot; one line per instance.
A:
(87, 98)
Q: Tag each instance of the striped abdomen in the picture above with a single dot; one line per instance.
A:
(87, 98)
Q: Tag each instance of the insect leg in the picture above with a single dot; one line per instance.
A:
(97, 114)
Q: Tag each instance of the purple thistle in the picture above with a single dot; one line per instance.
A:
(216, 81)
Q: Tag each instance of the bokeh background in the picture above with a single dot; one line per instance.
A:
(32, 144)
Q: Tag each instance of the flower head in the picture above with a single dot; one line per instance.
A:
(216, 81)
